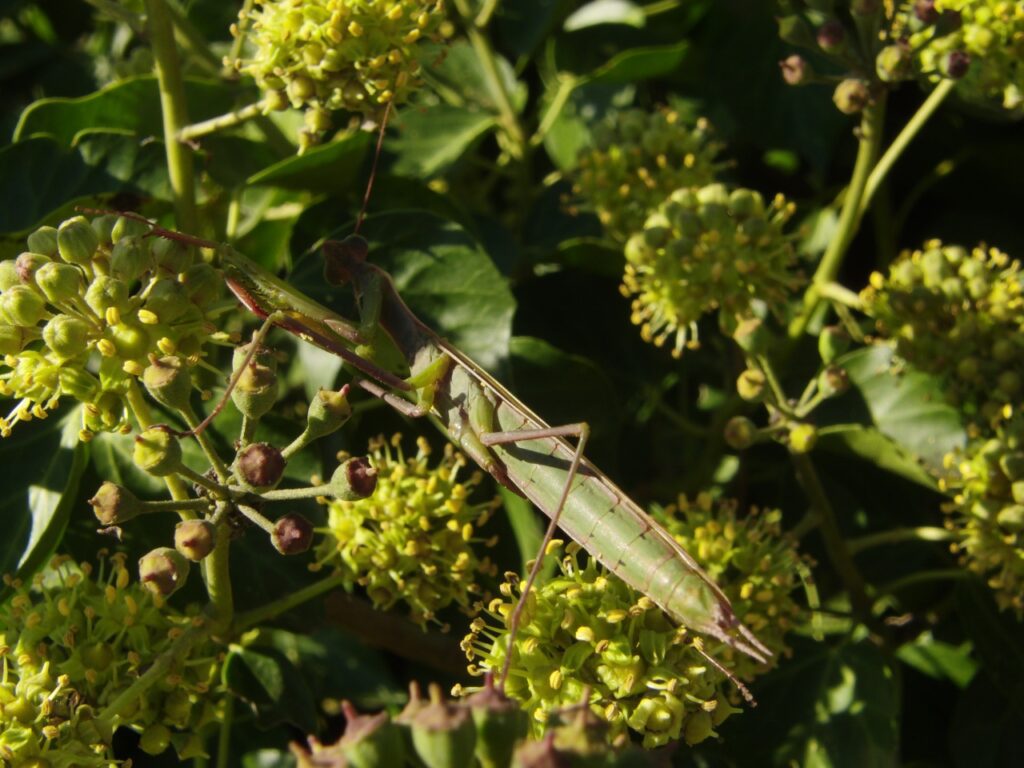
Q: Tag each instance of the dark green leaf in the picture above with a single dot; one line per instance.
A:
(333, 167)
(588, 103)
(42, 463)
(940, 660)
(640, 64)
(461, 71)
(431, 141)
(268, 681)
(877, 448)
(998, 639)
(909, 408)
(832, 707)
(606, 12)
(522, 25)
(527, 526)
(129, 106)
(987, 729)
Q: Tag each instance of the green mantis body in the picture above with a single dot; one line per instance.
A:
(498, 432)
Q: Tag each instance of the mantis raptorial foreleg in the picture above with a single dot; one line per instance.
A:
(581, 432)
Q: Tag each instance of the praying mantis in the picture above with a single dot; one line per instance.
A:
(398, 359)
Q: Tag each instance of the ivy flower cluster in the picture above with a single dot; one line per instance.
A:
(586, 629)
(84, 309)
(958, 314)
(987, 511)
(705, 249)
(979, 42)
(412, 540)
(324, 55)
(636, 159)
(73, 642)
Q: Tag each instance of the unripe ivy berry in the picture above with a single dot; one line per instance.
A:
(173, 256)
(260, 465)
(328, 411)
(13, 338)
(740, 433)
(256, 391)
(105, 293)
(163, 571)
(894, 63)
(129, 258)
(834, 380)
(851, 96)
(292, 535)
(168, 300)
(832, 343)
(831, 36)
(195, 539)
(157, 452)
(353, 479)
(44, 241)
(795, 70)
(443, 733)
(802, 438)
(169, 382)
(122, 227)
(67, 336)
(155, 739)
(114, 504)
(750, 385)
(59, 282)
(8, 275)
(370, 740)
(955, 64)
(77, 241)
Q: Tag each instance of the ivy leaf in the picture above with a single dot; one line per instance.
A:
(129, 106)
(42, 463)
(432, 141)
(268, 681)
(329, 168)
(606, 12)
(640, 64)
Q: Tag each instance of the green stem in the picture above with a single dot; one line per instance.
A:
(486, 11)
(190, 474)
(192, 40)
(898, 536)
(910, 130)
(840, 294)
(119, 13)
(566, 85)
(221, 122)
(849, 217)
(224, 733)
(781, 401)
(922, 577)
(140, 409)
(291, 494)
(284, 604)
(243, 28)
(155, 674)
(193, 421)
(835, 545)
(256, 518)
(216, 571)
(173, 505)
(173, 106)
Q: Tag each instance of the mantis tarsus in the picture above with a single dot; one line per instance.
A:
(426, 376)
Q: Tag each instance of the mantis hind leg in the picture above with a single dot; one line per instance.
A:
(581, 432)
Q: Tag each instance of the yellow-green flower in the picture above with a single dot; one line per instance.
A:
(957, 314)
(636, 159)
(87, 306)
(75, 640)
(706, 249)
(413, 540)
(987, 511)
(323, 55)
(979, 42)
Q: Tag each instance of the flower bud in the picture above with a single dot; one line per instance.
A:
(750, 385)
(129, 258)
(802, 438)
(163, 571)
(831, 36)
(195, 539)
(44, 241)
(78, 383)
(893, 63)
(739, 433)
(203, 284)
(317, 120)
(114, 504)
(155, 739)
(8, 275)
(27, 264)
(22, 306)
(955, 64)
(256, 391)
(106, 292)
(122, 227)
(173, 256)
(276, 101)
(443, 733)
(292, 535)
(168, 300)
(106, 412)
(169, 382)
(327, 412)
(353, 480)
(157, 452)
(834, 380)
(259, 465)
(13, 338)
(66, 336)
(103, 225)
(59, 282)
(77, 241)
(851, 96)
(795, 70)
(832, 342)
